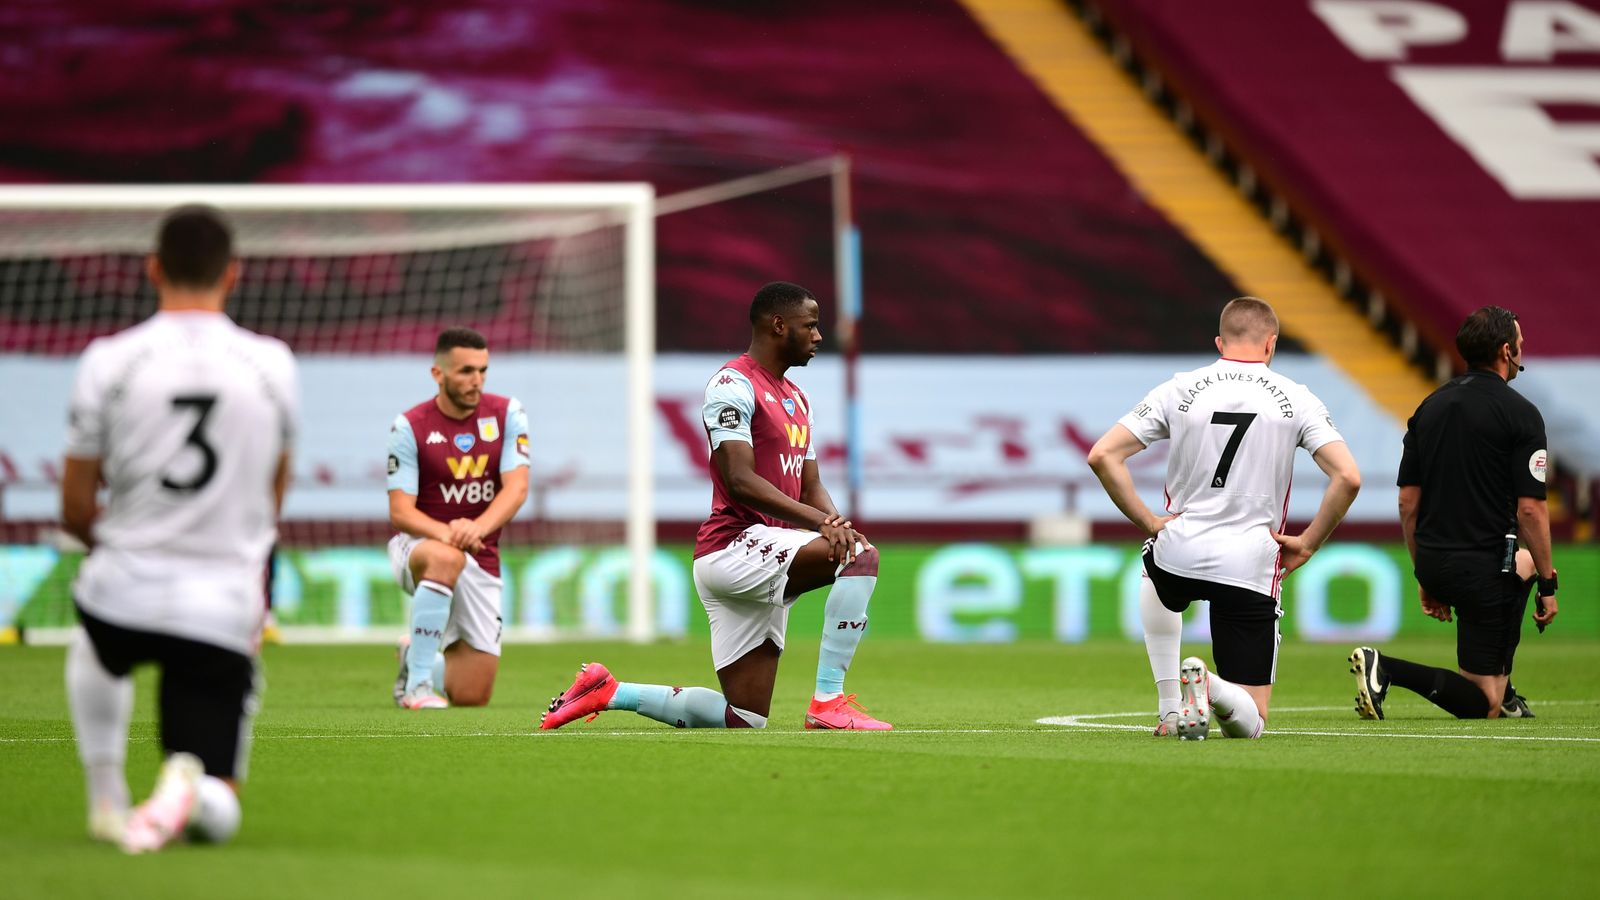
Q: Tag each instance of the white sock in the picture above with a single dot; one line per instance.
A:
(750, 718)
(1163, 641)
(1235, 709)
(216, 814)
(101, 706)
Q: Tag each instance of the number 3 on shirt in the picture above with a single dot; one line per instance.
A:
(1241, 424)
(202, 404)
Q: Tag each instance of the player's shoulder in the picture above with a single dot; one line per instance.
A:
(729, 378)
(418, 411)
(128, 341)
(271, 352)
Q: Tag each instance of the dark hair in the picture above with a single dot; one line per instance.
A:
(779, 297)
(1481, 335)
(194, 246)
(451, 338)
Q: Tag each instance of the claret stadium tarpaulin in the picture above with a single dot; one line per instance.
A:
(1447, 150)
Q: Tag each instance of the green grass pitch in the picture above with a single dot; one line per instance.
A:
(971, 797)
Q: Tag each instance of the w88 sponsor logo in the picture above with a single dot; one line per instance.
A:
(471, 492)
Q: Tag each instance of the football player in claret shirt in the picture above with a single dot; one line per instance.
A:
(458, 472)
(1235, 426)
(773, 535)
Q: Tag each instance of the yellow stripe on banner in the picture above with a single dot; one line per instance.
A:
(1056, 50)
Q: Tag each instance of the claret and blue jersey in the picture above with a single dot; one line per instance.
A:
(453, 466)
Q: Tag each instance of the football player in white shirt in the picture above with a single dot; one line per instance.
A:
(187, 419)
(1234, 426)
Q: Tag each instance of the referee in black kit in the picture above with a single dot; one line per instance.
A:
(1472, 480)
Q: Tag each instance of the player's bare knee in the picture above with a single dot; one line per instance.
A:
(471, 696)
(435, 561)
(865, 564)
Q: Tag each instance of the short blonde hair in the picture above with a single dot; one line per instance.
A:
(1247, 319)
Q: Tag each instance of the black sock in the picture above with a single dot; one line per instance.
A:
(1443, 688)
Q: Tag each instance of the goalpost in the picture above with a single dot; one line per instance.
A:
(359, 280)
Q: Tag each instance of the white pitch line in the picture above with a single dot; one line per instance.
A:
(1055, 723)
(653, 732)
(1082, 721)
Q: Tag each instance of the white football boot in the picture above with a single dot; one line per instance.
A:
(1194, 715)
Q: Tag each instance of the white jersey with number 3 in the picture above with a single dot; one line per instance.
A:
(188, 415)
(1234, 428)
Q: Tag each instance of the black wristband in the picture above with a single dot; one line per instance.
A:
(1547, 586)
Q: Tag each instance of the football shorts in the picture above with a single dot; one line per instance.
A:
(474, 604)
(743, 588)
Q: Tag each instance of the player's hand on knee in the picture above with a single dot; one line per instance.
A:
(841, 540)
(466, 535)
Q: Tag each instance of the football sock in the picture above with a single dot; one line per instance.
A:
(844, 621)
(1163, 640)
(216, 814)
(680, 707)
(1234, 708)
(1450, 691)
(438, 672)
(101, 706)
(430, 610)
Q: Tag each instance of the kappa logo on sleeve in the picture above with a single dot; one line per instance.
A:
(728, 418)
(394, 464)
(1538, 464)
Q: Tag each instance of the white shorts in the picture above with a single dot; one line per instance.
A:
(742, 588)
(474, 606)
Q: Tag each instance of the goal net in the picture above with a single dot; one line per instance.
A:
(360, 280)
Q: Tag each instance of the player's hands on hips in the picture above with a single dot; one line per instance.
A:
(1432, 608)
(841, 536)
(1294, 551)
(466, 534)
(1159, 523)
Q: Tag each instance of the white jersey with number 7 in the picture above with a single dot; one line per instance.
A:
(1234, 428)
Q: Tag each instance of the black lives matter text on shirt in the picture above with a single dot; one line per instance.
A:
(1474, 446)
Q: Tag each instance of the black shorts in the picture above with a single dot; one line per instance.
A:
(207, 694)
(1488, 604)
(1244, 623)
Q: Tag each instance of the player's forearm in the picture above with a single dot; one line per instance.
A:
(1118, 482)
(280, 484)
(79, 522)
(1410, 497)
(1336, 502)
(1533, 523)
(818, 497)
(761, 495)
(502, 509)
(80, 480)
(419, 524)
